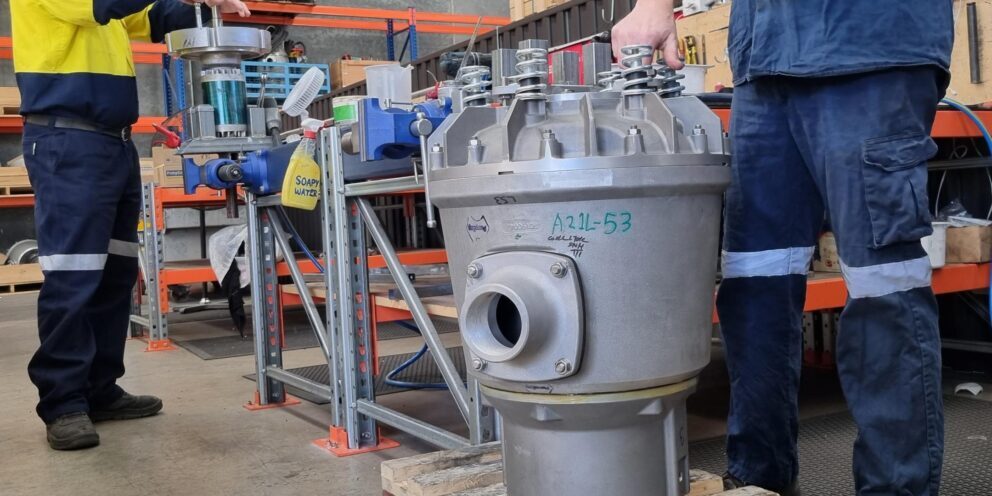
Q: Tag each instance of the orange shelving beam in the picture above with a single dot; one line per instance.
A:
(144, 53)
(321, 22)
(15, 201)
(325, 16)
(360, 12)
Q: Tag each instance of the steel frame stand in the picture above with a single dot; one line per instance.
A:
(266, 238)
(346, 217)
(150, 258)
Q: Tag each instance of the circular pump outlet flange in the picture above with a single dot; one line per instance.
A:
(522, 317)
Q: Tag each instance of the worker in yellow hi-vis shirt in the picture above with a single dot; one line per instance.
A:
(79, 98)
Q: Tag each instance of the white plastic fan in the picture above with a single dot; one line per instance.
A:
(303, 93)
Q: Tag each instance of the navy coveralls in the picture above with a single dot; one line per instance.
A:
(87, 184)
(832, 110)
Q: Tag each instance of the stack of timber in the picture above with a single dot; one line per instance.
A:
(20, 278)
(10, 100)
(14, 181)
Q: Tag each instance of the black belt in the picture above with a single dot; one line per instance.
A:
(79, 124)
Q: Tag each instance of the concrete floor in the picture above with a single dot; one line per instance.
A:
(204, 442)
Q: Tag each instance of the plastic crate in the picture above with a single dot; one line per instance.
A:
(281, 78)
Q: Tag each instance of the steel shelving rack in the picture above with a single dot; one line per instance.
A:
(345, 335)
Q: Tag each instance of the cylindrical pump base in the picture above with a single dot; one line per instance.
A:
(632, 443)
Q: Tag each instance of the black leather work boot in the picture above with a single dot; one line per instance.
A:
(72, 431)
(127, 407)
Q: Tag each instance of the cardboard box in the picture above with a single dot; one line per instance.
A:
(348, 72)
(169, 167)
(523, 8)
(971, 244)
(829, 260)
(147, 170)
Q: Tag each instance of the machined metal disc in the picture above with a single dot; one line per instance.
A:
(195, 43)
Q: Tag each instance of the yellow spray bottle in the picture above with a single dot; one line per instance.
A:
(301, 184)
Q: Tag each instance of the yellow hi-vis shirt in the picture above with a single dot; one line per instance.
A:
(72, 58)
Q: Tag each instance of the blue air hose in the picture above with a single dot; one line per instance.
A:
(299, 240)
(988, 141)
(390, 377)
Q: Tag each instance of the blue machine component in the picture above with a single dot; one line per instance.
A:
(386, 133)
(260, 172)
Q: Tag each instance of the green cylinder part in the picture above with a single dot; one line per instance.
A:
(229, 100)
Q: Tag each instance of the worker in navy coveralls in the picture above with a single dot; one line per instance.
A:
(832, 110)
(79, 98)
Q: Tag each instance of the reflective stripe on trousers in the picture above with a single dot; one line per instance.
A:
(767, 263)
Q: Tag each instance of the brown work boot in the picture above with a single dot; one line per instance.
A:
(72, 431)
(127, 407)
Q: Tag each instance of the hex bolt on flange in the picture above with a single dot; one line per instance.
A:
(558, 269)
(474, 271)
(563, 366)
(478, 364)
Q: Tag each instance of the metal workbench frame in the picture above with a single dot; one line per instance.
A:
(346, 335)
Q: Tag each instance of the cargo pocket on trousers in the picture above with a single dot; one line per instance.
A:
(895, 176)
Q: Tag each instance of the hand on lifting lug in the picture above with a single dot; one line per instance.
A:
(225, 6)
(652, 23)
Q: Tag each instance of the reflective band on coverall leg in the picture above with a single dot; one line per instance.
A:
(880, 280)
(72, 262)
(768, 263)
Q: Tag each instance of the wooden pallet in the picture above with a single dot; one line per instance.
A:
(20, 278)
(14, 181)
(478, 471)
(10, 100)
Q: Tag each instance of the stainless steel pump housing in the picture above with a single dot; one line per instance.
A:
(582, 234)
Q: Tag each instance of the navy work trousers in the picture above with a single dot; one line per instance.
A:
(87, 200)
(852, 149)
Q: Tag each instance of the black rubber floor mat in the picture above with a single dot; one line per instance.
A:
(392, 330)
(299, 336)
(825, 445)
(423, 370)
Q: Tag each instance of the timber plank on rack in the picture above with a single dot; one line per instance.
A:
(20, 278)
